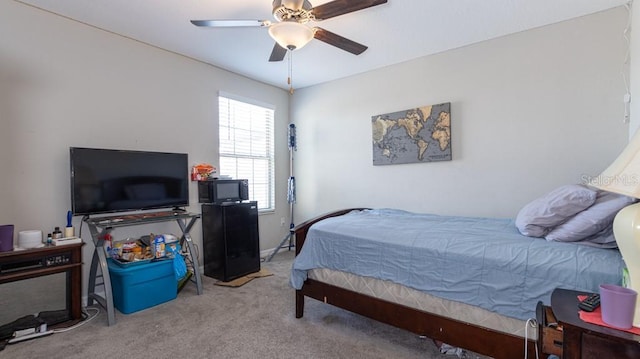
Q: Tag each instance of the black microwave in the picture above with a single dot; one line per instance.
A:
(220, 191)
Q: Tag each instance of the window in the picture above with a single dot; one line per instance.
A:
(246, 147)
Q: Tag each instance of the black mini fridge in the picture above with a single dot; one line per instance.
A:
(230, 239)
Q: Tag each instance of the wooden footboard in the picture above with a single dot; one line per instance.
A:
(453, 332)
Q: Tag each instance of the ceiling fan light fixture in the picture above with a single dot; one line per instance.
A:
(291, 35)
(291, 4)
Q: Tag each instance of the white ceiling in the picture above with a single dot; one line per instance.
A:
(397, 31)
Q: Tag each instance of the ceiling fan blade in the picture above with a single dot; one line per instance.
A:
(278, 53)
(339, 41)
(341, 7)
(231, 23)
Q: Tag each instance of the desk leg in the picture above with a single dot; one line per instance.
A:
(571, 342)
(75, 286)
(99, 261)
(186, 237)
(92, 278)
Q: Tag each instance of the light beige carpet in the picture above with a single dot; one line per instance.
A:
(256, 320)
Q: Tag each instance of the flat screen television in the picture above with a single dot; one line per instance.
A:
(106, 180)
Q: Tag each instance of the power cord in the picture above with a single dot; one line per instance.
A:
(189, 256)
(626, 36)
(86, 319)
(534, 324)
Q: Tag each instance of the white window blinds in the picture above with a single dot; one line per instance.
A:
(246, 147)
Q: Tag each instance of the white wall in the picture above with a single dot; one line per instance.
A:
(66, 84)
(530, 111)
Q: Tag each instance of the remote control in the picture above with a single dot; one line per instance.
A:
(590, 303)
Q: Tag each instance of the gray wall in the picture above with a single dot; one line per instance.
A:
(634, 64)
(530, 112)
(65, 84)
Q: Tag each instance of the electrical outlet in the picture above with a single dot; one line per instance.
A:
(282, 220)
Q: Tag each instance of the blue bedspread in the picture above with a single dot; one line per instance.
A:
(481, 261)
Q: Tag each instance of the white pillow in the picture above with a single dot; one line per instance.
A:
(592, 220)
(602, 239)
(540, 216)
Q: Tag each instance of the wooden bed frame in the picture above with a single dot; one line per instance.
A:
(453, 332)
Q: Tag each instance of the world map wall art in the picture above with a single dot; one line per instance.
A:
(420, 134)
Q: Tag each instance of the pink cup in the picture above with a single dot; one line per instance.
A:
(618, 305)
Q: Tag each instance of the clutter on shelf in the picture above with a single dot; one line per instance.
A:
(143, 249)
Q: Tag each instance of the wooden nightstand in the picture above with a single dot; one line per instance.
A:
(589, 341)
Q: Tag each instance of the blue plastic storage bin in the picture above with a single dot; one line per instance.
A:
(142, 286)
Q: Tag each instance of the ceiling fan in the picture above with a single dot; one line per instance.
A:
(290, 30)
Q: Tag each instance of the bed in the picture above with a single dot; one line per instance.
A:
(470, 282)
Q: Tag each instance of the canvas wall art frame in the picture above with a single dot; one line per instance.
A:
(415, 135)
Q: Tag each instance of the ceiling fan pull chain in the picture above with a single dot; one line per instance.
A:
(290, 78)
(291, 29)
